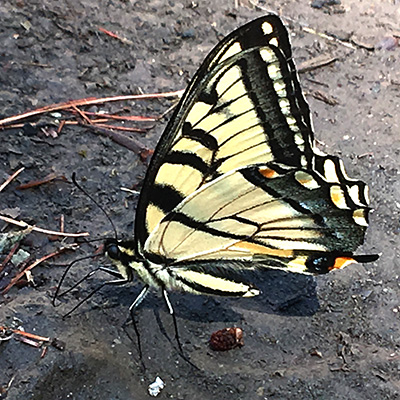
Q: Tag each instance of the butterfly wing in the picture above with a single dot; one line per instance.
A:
(236, 181)
(243, 107)
(290, 219)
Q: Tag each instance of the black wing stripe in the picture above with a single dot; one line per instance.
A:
(200, 226)
(208, 96)
(254, 176)
(216, 99)
(200, 136)
(224, 107)
(190, 159)
(257, 81)
(244, 220)
(164, 197)
(258, 39)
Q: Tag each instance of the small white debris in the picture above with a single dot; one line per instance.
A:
(29, 277)
(26, 25)
(56, 115)
(156, 387)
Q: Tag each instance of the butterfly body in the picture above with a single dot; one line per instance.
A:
(236, 182)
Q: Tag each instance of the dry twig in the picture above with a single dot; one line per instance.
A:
(89, 101)
(326, 98)
(124, 140)
(305, 27)
(9, 256)
(48, 178)
(10, 178)
(31, 339)
(316, 62)
(23, 224)
(29, 267)
(115, 36)
(134, 118)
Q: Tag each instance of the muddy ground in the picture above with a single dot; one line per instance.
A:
(332, 337)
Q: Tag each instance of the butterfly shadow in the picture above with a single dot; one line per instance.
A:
(282, 293)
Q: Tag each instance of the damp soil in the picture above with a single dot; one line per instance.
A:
(330, 337)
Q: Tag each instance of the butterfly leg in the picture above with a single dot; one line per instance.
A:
(132, 309)
(171, 311)
(177, 338)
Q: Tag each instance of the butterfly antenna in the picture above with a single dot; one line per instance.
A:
(119, 281)
(57, 292)
(95, 202)
(85, 299)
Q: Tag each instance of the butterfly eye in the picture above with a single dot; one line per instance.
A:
(112, 251)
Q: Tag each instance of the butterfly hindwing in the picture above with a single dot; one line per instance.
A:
(292, 220)
(243, 107)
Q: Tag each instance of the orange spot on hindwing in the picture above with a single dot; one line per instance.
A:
(268, 173)
(341, 262)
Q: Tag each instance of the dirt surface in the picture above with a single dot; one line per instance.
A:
(332, 337)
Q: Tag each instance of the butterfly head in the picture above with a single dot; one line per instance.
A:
(123, 255)
(111, 249)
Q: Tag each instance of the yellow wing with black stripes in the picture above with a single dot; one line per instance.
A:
(236, 181)
(261, 216)
(243, 107)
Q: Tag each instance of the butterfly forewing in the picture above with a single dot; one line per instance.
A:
(243, 107)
